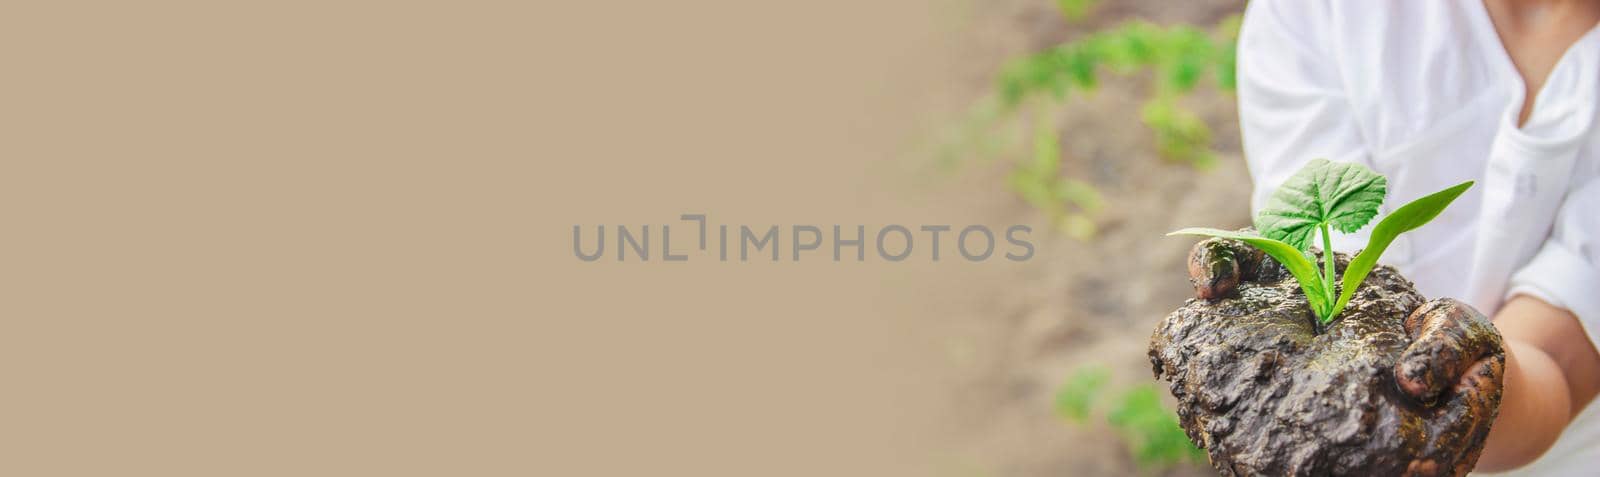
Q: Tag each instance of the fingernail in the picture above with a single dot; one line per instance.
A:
(1413, 379)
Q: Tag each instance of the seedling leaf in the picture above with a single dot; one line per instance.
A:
(1321, 197)
(1404, 219)
(1342, 195)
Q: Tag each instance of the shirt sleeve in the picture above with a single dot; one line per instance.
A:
(1566, 271)
(1293, 106)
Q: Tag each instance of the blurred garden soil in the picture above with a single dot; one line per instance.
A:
(1078, 303)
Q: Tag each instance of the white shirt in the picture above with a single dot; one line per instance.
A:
(1424, 93)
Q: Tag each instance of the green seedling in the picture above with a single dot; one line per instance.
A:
(1151, 429)
(1325, 196)
(1075, 396)
(1147, 427)
(1176, 59)
(1075, 10)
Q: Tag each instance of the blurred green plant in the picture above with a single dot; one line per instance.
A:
(1152, 430)
(1067, 200)
(1178, 57)
(1076, 10)
(1076, 395)
(1149, 428)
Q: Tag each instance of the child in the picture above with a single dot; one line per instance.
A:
(1431, 94)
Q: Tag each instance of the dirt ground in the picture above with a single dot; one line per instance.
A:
(1081, 303)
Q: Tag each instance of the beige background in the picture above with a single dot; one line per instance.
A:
(333, 238)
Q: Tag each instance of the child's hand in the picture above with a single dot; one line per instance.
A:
(1270, 391)
(1217, 265)
(1452, 346)
(1456, 349)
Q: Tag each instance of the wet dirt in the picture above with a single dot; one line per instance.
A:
(1265, 390)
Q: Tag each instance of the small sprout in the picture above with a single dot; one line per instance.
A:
(1075, 10)
(1151, 430)
(1078, 393)
(1147, 427)
(1323, 196)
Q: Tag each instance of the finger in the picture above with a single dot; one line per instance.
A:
(1474, 406)
(1414, 321)
(1462, 422)
(1217, 265)
(1212, 269)
(1448, 338)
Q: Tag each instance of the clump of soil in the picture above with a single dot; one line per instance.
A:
(1265, 390)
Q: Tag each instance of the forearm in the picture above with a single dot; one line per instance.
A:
(1552, 372)
(1534, 408)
